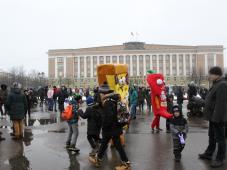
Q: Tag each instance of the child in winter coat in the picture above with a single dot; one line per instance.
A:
(179, 129)
(73, 126)
(94, 123)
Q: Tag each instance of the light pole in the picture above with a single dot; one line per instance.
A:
(41, 76)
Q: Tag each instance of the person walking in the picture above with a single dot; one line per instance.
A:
(93, 116)
(215, 111)
(3, 97)
(133, 99)
(179, 130)
(111, 128)
(16, 105)
(180, 97)
(50, 94)
(62, 95)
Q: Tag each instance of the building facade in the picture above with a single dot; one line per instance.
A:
(179, 64)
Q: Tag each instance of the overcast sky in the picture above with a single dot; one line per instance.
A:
(28, 28)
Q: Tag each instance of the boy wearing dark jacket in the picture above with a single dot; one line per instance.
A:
(179, 129)
(73, 126)
(93, 116)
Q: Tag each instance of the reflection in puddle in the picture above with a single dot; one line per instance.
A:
(20, 161)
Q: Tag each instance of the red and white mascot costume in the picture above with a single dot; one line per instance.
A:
(158, 98)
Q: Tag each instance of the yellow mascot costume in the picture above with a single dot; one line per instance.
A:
(116, 75)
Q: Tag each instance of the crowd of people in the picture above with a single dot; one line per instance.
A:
(102, 115)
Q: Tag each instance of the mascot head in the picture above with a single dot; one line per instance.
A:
(156, 82)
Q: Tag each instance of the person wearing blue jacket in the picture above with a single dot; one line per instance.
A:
(133, 99)
(73, 125)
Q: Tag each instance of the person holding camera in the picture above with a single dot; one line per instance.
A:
(215, 111)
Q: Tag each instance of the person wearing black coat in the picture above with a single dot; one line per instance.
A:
(93, 116)
(62, 95)
(215, 111)
(180, 97)
(111, 128)
(16, 105)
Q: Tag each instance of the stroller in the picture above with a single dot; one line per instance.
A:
(195, 107)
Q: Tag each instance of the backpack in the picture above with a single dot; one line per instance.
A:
(122, 113)
(67, 114)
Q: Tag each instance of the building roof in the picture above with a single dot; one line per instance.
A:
(136, 46)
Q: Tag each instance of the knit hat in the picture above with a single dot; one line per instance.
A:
(90, 101)
(216, 71)
(176, 108)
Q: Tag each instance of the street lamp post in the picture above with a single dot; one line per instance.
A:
(41, 76)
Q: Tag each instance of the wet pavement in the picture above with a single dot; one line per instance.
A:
(43, 146)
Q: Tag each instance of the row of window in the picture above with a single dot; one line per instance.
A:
(156, 64)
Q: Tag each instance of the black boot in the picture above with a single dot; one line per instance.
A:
(217, 163)
(206, 156)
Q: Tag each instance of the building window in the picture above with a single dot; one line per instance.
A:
(187, 64)
(160, 58)
(95, 65)
(101, 60)
(60, 59)
(81, 67)
(210, 60)
(75, 67)
(181, 64)
(114, 59)
(107, 59)
(147, 59)
(134, 65)
(194, 61)
(121, 59)
(174, 64)
(88, 63)
(167, 65)
(128, 63)
(141, 65)
(154, 62)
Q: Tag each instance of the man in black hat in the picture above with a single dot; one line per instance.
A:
(215, 111)
(111, 128)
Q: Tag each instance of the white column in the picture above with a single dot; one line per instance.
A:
(118, 59)
(157, 59)
(184, 64)
(124, 59)
(56, 67)
(137, 65)
(64, 67)
(92, 67)
(215, 59)
(178, 64)
(111, 59)
(85, 66)
(151, 63)
(144, 65)
(206, 65)
(131, 66)
(171, 64)
(104, 57)
(78, 66)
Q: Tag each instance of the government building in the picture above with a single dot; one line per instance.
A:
(180, 64)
